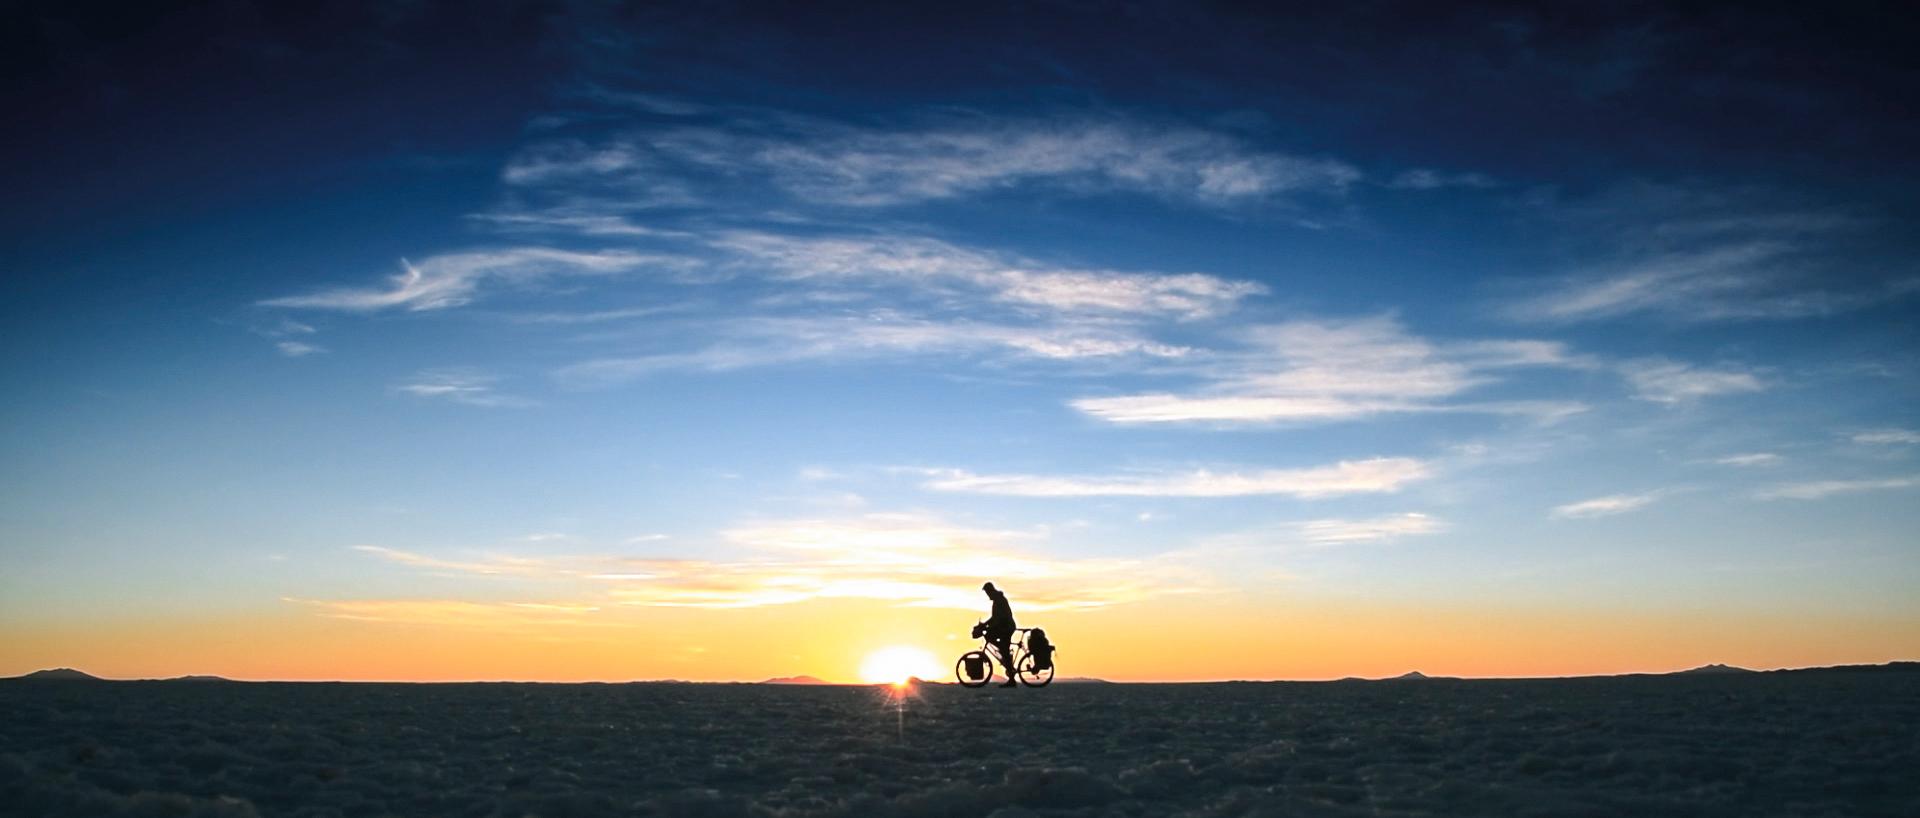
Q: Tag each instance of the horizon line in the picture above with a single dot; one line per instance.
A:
(1414, 675)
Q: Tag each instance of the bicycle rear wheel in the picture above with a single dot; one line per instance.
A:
(980, 662)
(1031, 676)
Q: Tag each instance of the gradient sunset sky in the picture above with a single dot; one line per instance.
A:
(722, 341)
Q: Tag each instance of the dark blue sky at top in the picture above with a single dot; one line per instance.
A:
(207, 154)
(210, 127)
(128, 109)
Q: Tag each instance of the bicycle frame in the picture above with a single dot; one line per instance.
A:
(1017, 643)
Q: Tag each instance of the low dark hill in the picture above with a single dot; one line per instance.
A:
(1890, 667)
(1709, 669)
(795, 680)
(59, 674)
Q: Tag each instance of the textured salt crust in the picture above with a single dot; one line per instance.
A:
(1740, 745)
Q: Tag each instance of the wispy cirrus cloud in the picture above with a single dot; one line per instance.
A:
(1725, 283)
(935, 265)
(1691, 253)
(939, 299)
(1881, 437)
(1380, 474)
(298, 349)
(1822, 489)
(1753, 459)
(468, 386)
(593, 317)
(495, 617)
(453, 279)
(1671, 382)
(1378, 529)
(834, 163)
(1669, 283)
(285, 333)
(772, 341)
(1430, 179)
(1337, 370)
(491, 563)
(901, 559)
(1607, 506)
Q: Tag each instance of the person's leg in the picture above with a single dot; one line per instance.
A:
(1004, 645)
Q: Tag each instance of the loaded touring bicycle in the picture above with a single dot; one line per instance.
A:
(1032, 659)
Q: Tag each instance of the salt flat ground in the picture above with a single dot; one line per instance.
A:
(1804, 743)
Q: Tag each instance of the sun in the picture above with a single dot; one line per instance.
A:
(892, 665)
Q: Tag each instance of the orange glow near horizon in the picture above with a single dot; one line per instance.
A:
(1186, 640)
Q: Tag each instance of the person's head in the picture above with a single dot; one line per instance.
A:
(988, 588)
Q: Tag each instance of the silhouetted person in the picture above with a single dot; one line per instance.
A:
(999, 629)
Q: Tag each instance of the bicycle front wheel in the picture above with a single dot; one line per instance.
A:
(1030, 675)
(974, 668)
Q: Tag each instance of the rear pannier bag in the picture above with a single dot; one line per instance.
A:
(1041, 649)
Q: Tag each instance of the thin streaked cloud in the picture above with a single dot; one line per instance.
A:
(594, 317)
(1606, 506)
(1430, 179)
(1886, 436)
(1337, 370)
(774, 341)
(1822, 489)
(1377, 529)
(831, 163)
(1753, 459)
(453, 279)
(1670, 283)
(1672, 382)
(937, 264)
(1695, 253)
(491, 563)
(287, 335)
(491, 617)
(1377, 475)
(464, 386)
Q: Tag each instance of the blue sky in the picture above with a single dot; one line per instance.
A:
(562, 314)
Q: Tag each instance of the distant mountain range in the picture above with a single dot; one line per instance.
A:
(795, 680)
(67, 674)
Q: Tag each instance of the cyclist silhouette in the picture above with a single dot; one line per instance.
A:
(1026, 653)
(999, 629)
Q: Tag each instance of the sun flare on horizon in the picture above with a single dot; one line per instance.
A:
(896, 664)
